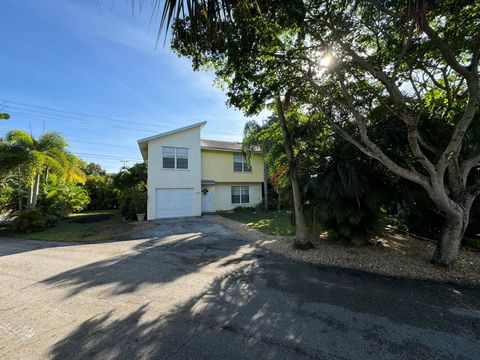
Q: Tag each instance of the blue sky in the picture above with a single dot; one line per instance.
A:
(92, 71)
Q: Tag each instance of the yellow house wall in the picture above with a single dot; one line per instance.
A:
(218, 166)
(222, 195)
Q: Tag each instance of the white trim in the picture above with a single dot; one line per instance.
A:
(226, 150)
(154, 137)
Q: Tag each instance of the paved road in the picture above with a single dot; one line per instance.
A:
(190, 289)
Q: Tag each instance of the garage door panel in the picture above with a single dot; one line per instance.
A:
(174, 202)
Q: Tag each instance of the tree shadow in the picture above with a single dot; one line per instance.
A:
(273, 308)
(173, 249)
(11, 246)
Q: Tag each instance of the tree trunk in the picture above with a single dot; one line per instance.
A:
(34, 189)
(19, 189)
(30, 195)
(454, 228)
(302, 240)
(449, 242)
(265, 186)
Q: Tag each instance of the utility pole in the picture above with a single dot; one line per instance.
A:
(124, 163)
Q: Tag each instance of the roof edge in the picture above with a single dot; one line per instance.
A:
(158, 136)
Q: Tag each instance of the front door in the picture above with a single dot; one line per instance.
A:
(207, 200)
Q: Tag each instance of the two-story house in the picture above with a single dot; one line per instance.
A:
(188, 176)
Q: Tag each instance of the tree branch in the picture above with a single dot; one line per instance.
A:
(373, 149)
(467, 166)
(420, 18)
(476, 53)
(454, 147)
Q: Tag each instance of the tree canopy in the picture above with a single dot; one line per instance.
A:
(364, 68)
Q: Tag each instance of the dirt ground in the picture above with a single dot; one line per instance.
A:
(395, 255)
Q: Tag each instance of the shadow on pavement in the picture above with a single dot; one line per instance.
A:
(269, 307)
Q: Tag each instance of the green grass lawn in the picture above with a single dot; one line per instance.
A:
(272, 223)
(87, 226)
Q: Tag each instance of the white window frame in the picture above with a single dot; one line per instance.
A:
(175, 158)
(243, 162)
(244, 190)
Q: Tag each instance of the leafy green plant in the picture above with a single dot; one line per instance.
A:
(60, 198)
(347, 202)
(133, 202)
(102, 192)
(30, 220)
(244, 208)
(474, 243)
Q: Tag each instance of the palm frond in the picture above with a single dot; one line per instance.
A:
(20, 137)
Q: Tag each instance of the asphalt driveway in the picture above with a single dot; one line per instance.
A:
(190, 289)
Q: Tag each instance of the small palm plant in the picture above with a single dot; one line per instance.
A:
(347, 201)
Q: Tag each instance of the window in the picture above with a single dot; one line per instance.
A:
(168, 157)
(240, 163)
(175, 158)
(240, 195)
(182, 158)
(236, 194)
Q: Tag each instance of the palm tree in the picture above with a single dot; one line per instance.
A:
(199, 12)
(33, 156)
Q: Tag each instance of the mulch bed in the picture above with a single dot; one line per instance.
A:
(394, 255)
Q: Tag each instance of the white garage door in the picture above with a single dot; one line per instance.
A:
(174, 202)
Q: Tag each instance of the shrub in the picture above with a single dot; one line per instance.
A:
(347, 200)
(31, 220)
(474, 243)
(61, 199)
(103, 195)
(244, 208)
(133, 202)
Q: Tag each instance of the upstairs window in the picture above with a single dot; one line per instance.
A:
(182, 158)
(175, 157)
(240, 163)
(168, 157)
(240, 195)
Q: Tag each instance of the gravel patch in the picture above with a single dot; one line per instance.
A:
(394, 255)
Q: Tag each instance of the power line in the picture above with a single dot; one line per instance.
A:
(58, 114)
(83, 121)
(50, 109)
(74, 140)
(119, 157)
(103, 144)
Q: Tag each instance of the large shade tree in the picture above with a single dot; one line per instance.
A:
(417, 61)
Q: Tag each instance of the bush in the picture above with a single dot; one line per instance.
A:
(133, 202)
(62, 199)
(417, 214)
(347, 199)
(6, 195)
(103, 195)
(474, 243)
(244, 208)
(32, 220)
(473, 228)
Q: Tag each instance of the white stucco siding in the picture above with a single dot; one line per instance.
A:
(222, 195)
(160, 178)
